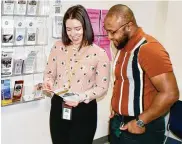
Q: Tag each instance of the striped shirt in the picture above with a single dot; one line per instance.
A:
(142, 58)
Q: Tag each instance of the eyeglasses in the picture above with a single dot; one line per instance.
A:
(114, 32)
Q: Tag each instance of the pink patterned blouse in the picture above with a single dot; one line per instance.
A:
(84, 72)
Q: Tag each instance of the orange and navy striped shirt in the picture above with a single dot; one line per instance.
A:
(142, 58)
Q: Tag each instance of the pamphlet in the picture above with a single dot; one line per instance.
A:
(8, 7)
(7, 31)
(32, 7)
(17, 92)
(94, 15)
(18, 66)
(5, 92)
(20, 7)
(7, 62)
(31, 32)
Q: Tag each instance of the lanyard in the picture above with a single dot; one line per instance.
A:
(71, 73)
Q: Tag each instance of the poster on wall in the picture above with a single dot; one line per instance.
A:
(8, 7)
(96, 40)
(57, 26)
(94, 15)
(105, 44)
(20, 7)
(42, 31)
(103, 14)
(43, 7)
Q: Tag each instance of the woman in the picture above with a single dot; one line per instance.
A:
(82, 69)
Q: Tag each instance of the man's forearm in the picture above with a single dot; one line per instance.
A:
(160, 105)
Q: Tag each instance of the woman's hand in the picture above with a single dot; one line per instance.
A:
(71, 103)
(47, 85)
(71, 99)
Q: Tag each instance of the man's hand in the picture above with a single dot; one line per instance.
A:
(133, 128)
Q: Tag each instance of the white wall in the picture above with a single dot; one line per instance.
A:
(172, 42)
(173, 38)
(29, 123)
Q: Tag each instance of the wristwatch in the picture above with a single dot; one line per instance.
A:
(139, 122)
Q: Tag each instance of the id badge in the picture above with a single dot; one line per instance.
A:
(66, 112)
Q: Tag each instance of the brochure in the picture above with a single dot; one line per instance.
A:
(17, 92)
(8, 7)
(20, 7)
(5, 92)
(6, 62)
(18, 66)
(32, 7)
(7, 31)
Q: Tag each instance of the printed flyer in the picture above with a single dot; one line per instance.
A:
(105, 44)
(94, 15)
(103, 14)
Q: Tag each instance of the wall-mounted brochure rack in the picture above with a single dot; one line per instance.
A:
(24, 34)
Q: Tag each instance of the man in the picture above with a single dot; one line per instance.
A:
(144, 84)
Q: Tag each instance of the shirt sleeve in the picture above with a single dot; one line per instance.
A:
(154, 59)
(102, 79)
(51, 68)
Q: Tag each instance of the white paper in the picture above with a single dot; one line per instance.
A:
(32, 7)
(71, 98)
(43, 7)
(42, 31)
(57, 26)
(20, 7)
(18, 66)
(8, 7)
(7, 62)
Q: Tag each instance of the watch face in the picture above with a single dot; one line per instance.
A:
(140, 123)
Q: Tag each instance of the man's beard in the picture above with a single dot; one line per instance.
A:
(123, 43)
